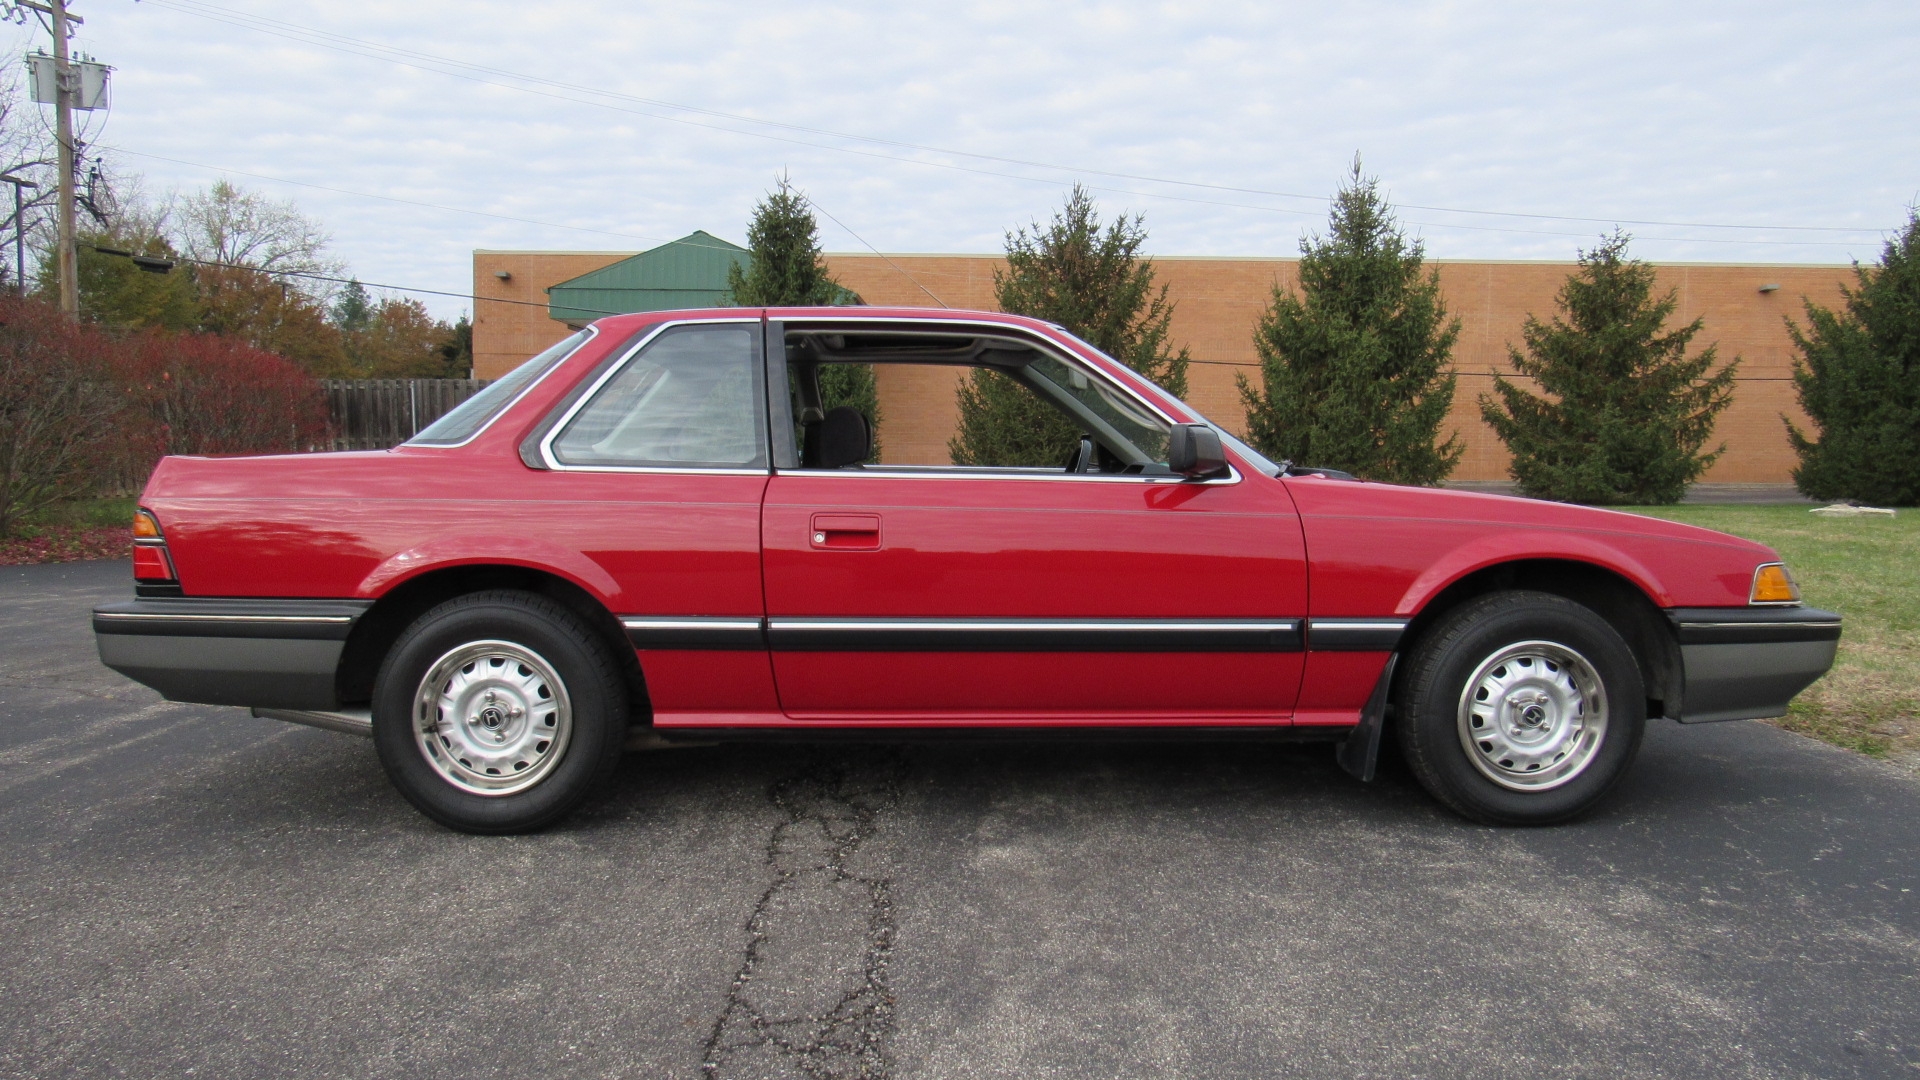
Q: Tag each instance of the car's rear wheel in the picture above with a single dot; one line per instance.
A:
(499, 712)
(1521, 708)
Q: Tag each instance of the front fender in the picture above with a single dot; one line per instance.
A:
(1513, 546)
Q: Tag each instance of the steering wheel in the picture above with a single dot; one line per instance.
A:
(1082, 460)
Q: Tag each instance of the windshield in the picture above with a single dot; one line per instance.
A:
(1246, 453)
(468, 417)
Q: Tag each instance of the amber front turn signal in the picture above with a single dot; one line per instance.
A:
(1773, 585)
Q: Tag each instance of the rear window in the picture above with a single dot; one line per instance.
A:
(468, 417)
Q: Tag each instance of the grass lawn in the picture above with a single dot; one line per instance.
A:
(86, 529)
(1867, 569)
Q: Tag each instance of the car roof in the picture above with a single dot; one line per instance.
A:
(627, 323)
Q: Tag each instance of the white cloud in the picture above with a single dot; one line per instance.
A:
(1741, 113)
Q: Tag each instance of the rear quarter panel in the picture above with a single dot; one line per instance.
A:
(357, 524)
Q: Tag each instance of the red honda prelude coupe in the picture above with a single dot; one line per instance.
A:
(663, 528)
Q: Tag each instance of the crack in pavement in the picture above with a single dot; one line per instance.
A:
(811, 997)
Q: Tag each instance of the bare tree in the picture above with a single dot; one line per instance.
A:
(230, 225)
(27, 151)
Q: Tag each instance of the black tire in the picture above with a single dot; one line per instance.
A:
(521, 667)
(1528, 656)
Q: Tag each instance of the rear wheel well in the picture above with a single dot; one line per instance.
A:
(1613, 597)
(375, 632)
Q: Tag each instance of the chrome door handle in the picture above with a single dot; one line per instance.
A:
(845, 532)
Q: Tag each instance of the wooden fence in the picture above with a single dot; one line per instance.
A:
(374, 414)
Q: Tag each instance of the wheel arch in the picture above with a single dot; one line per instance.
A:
(375, 632)
(1605, 591)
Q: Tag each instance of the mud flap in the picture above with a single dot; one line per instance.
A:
(1361, 750)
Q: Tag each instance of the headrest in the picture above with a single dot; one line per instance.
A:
(845, 438)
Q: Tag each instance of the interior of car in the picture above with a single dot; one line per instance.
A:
(1083, 423)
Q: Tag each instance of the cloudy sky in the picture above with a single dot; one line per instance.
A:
(417, 132)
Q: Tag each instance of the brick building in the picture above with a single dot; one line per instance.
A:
(1217, 303)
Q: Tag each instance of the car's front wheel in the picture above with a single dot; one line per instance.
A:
(498, 712)
(1520, 708)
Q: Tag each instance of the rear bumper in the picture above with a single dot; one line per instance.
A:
(269, 653)
(1748, 663)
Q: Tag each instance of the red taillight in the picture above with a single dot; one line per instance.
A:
(150, 563)
(150, 559)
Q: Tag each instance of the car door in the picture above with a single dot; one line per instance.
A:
(655, 471)
(941, 595)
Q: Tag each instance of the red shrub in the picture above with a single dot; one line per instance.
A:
(84, 412)
(207, 394)
(61, 407)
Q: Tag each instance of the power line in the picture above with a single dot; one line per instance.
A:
(396, 199)
(876, 251)
(426, 61)
(378, 285)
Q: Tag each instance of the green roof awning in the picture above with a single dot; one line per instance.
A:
(690, 272)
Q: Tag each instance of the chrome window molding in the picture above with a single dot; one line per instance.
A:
(935, 472)
(676, 470)
(1023, 333)
(592, 332)
(1030, 337)
(554, 430)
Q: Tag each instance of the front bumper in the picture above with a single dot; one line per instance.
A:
(1748, 663)
(280, 654)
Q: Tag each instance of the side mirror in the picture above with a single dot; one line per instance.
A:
(1194, 451)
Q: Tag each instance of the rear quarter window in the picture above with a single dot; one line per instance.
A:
(468, 417)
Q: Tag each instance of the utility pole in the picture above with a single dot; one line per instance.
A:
(66, 84)
(63, 109)
(19, 229)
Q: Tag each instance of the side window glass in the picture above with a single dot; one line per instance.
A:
(1105, 406)
(687, 400)
(1000, 423)
(1025, 418)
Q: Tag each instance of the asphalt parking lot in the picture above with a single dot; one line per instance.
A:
(186, 890)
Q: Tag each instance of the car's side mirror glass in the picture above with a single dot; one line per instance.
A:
(1194, 451)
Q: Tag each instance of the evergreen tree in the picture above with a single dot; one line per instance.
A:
(353, 308)
(1094, 282)
(1627, 409)
(1858, 378)
(785, 269)
(1354, 370)
(456, 349)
